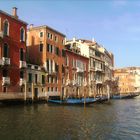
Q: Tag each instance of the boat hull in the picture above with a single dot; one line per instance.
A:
(130, 96)
(82, 101)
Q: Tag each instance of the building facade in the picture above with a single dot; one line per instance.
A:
(35, 86)
(128, 79)
(76, 72)
(45, 47)
(101, 64)
(12, 52)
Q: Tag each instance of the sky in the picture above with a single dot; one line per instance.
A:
(113, 23)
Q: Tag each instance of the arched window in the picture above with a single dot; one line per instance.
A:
(21, 54)
(5, 50)
(6, 27)
(22, 34)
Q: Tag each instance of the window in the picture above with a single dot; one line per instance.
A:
(56, 39)
(56, 80)
(48, 88)
(56, 67)
(6, 28)
(41, 47)
(50, 36)
(29, 89)
(5, 50)
(43, 79)
(51, 79)
(21, 54)
(22, 34)
(51, 88)
(5, 73)
(50, 48)
(41, 34)
(47, 64)
(63, 42)
(21, 74)
(36, 78)
(21, 89)
(63, 53)
(4, 89)
(63, 69)
(57, 51)
(30, 77)
(55, 88)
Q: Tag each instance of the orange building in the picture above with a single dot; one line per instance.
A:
(128, 79)
(45, 47)
(12, 52)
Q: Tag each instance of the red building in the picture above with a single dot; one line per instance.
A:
(12, 52)
(76, 72)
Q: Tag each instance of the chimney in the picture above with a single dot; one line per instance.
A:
(93, 39)
(74, 39)
(31, 26)
(14, 12)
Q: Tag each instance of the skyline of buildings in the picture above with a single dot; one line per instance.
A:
(40, 62)
(114, 25)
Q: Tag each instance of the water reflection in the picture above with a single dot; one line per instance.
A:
(119, 119)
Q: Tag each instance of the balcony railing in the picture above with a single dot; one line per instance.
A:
(5, 81)
(6, 60)
(41, 95)
(22, 82)
(99, 81)
(1, 34)
(22, 64)
(98, 69)
(53, 93)
(80, 70)
(52, 72)
(1, 62)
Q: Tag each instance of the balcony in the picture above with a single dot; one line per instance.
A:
(22, 82)
(98, 69)
(99, 81)
(5, 81)
(67, 82)
(1, 34)
(1, 62)
(6, 61)
(22, 64)
(80, 70)
(37, 83)
(52, 72)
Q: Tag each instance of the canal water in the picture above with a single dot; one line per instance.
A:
(119, 119)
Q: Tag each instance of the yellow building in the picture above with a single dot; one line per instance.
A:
(128, 79)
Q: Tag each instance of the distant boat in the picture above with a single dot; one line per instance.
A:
(124, 96)
(74, 101)
(102, 99)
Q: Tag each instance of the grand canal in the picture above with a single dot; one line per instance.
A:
(119, 119)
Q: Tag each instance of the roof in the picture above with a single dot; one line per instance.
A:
(126, 69)
(47, 27)
(13, 17)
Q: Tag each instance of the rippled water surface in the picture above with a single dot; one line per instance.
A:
(119, 119)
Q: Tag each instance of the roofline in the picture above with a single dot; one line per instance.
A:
(13, 17)
(45, 26)
(128, 68)
(76, 53)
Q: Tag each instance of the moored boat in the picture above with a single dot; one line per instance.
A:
(74, 101)
(124, 96)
